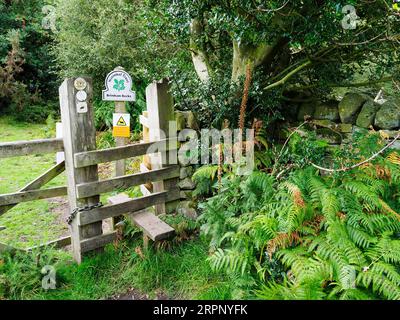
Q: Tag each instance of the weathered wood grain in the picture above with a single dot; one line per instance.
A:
(97, 241)
(15, 198)
(84, 159)
(152, 226)
(123, 204)
(58, 243)
(24, 148)
(84, 190)
(162, 125)
(39, 182)
(79, 134)
(144, 121)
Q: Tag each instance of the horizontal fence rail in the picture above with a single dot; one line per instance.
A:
(15, 198)
(85, 159)
(24, 148)
(39, 182)
(89, 189)
(129, 206)
(56, 244)
(97, 241)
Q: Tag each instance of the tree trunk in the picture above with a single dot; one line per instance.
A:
(199, 55)
(248, 54)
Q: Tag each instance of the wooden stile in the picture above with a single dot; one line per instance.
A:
(161, 115)
(58, 243)
(152, 226)
(78, 143)
(96, 242)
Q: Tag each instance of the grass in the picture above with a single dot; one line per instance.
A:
(32, 222)
(179, 273)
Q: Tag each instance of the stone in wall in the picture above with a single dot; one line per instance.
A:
(330, 136)
(327, 111)
(339, 127)
(186, 208)
(390, 133)
(367, 114)
(186, 194)
(186, 172)
(190, 120)
(350, 106)
(187, 184)
(396, 145)
(306, 110)
(388, 116)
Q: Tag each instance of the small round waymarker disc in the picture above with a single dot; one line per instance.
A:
(81, 95)
(80, 84)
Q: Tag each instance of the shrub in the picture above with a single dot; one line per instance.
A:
(311, 236)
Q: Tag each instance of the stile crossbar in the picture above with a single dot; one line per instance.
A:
(85, 159)
(81, 167)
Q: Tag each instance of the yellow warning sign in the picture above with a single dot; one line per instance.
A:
(121, 125)
(121, 122)
(122, 132)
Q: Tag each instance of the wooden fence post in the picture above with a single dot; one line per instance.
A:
(160, 108)
(79, 135)
(120, 107)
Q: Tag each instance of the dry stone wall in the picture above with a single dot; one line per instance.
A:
(354, 111)
(187, 205)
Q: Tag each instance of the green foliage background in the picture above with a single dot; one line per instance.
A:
(33, 93)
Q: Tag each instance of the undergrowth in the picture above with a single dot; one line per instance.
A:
(178, 269)
(307, 235)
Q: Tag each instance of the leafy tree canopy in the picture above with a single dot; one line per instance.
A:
(27, 74)
(293, 47)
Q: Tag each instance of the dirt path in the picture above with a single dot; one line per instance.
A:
(134, 294)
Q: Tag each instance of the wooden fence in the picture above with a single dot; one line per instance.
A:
(81, 165)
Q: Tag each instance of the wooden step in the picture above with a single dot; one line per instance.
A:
(152, 226)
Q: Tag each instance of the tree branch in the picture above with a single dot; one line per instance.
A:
(289, 75)
(360, 163)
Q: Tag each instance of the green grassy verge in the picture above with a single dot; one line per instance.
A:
(33, 222)
(179, 273)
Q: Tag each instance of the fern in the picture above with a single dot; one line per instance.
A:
(229, 260)
(310, 237)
